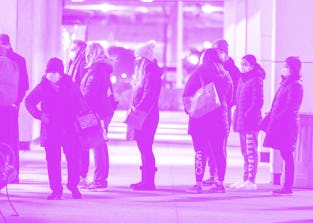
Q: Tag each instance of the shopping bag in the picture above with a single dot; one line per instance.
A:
(204, 101)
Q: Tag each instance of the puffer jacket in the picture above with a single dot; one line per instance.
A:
(60, 103)
(283, 119)
(95, 86)
(250, 99)
(216, 122)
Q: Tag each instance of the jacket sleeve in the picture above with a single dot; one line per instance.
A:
(293, 101)
(23, 82)
(32, 101)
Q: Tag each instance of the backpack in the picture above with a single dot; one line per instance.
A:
(9, 81)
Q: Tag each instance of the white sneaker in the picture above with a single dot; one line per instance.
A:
(235, 185)
(83, 182)
(247, 185)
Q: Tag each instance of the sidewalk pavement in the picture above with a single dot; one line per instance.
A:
(168, 204)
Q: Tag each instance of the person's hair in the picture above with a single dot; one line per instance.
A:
(209, 56)
(294, 64)
(250, 58)
(97, 53)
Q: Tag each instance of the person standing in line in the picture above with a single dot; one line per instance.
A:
(76, 69)
(281, 124)
(13, 86)
(96, 87)
(209, 132)
(247, 116)
(59, 101)
(146, 92)
(228, 63)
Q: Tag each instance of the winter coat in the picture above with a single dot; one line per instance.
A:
(249, 98)
(60, 104)
(146, 96)
(18, 89)
(282, 121)
(216, 122)
(95, 87)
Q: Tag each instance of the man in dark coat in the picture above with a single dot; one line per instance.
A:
(281, 123)
(13, 87)
(60, 106)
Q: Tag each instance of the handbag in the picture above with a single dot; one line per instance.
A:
(135, 118)
(89, 129)
(203, 101)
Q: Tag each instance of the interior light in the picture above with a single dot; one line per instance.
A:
(146, 0)
(209, 9)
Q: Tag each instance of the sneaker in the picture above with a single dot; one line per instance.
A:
(236, 184)
(195, 189)
(83, 182)
(97, 187)
(208, 182)
(283, 191)
(247, 185)
(54, 196)
(216, 188)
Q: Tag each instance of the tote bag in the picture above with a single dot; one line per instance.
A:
(204, 101)
(135, 118)
(89, 129)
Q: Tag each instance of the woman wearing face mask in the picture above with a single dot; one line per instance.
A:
(59, 99)
(249, 98)
(281, 123)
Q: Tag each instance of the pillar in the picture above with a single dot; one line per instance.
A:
(35, 32)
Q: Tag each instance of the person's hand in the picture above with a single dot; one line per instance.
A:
(45, 118)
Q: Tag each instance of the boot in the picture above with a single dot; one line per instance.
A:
(147, 179)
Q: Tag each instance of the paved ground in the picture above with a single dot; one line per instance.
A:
(170, 203)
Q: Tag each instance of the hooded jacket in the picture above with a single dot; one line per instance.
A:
(250, 99)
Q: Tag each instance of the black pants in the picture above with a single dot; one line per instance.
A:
(53, 157)
(9, 131)
(212, 149)
(287, 156)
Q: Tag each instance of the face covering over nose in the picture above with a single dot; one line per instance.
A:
(53, 77)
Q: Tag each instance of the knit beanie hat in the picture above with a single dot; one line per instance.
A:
(294, 64)
(55, 65)
(221, 44)
(146, 50)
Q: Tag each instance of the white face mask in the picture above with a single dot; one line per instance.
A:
(285, 71)
(222, 55)
(53, 77)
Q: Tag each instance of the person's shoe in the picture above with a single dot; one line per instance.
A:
(236, 184)
(143, 186)
(208, 182)
(97, 187)
(195, 189)
(76, 194)
(247, 185)
(216, 188)
(54, 196)
(283, 191)
(83, 182)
